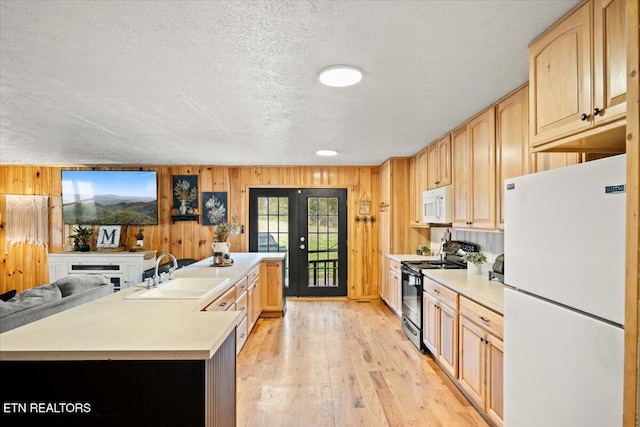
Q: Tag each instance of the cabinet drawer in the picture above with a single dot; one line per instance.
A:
(395, 266)
(241, 335)
(223, 303)
(482, 316)
(241, 286)
(241, 304)
(442, 293)
(253, 275)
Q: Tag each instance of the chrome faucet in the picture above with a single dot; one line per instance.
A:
(157, 279)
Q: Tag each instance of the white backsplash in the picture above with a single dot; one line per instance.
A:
(491, 244)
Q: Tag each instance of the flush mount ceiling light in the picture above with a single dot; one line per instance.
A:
(340, 75)
(326, 153)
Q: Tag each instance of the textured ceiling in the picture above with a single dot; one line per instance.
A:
(235, 82)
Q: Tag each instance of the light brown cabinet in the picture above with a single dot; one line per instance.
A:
(255, 304)
(512, 143)
(474, 182)
(418, 173)
(392, 287)
(394, 209)
(577, 73)
(439, 163)
(440, 328)
(481, 358)
(272, 293)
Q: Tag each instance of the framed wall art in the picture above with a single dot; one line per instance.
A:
(214, 208)
(185, 191)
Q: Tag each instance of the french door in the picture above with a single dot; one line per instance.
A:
(310, 225)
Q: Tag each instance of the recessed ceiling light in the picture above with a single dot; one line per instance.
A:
(326, 153)
(340, 75)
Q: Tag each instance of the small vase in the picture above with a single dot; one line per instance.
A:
(183, 207)
(473, 269)
(84, 247)
(222, 247)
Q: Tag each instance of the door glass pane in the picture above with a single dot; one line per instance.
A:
(273, 226)
(323, 241)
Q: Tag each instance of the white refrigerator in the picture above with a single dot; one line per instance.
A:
(564, 252)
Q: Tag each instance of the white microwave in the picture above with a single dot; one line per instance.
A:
(437, 205)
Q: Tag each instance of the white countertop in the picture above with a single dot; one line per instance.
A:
(115, 328)
(477, 287)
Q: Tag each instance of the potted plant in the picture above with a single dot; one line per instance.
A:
(423, 250)
(474, 261)
(222, 233)
(82, 235)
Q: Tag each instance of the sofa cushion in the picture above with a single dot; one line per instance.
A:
(8, 295)
(30, 298)
(74, 283)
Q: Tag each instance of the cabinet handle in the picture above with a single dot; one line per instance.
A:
(242, 308)
(437, 182)
(484, 319)
(436, 291)
(223, 304)
(584, 117)
(597, 111)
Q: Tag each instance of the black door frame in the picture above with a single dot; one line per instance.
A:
(297, 257)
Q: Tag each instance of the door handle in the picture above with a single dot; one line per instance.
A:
(301, 246)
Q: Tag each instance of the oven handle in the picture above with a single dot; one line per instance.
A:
(409, 327)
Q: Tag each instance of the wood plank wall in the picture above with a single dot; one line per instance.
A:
(26, 266)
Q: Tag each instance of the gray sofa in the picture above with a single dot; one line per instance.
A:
(45, 300)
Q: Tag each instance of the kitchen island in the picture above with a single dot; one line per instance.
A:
(127, 361)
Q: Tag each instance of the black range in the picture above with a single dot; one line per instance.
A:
(412, 285)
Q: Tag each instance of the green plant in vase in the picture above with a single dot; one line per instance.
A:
(474, 261)
(82, 236)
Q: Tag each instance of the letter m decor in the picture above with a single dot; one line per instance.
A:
(109, 236)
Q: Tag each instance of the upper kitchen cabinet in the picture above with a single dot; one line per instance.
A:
(577, 74)
(439, 163)
(512, 143)
(418, 172)
(473, 148)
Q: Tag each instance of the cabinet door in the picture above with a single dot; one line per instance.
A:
(271, 280)
(560, 78)
(494, 404)
(472, 360)
(609, 60)
(461, 172)
(415, 196)
(448, 348)
(386, 272)
(385, 184)
(482, 143)
(395, 290)
(430, 319)
(255, 306)
(433, 174)
(444, 161)
(512, 144)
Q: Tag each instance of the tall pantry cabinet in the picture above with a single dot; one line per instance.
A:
(393, 222)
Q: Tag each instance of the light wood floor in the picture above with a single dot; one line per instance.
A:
(342, 363)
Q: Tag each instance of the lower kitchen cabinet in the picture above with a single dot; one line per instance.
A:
(440, 325)
(481, 358)
(392, 285)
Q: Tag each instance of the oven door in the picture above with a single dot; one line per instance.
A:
(412, 298)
